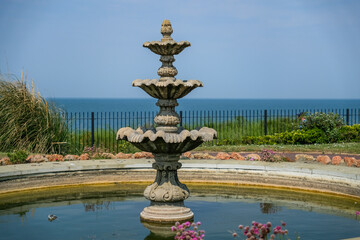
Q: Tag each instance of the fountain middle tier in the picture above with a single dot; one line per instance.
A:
(169, 89)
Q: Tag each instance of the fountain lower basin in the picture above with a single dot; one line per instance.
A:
(109, 211)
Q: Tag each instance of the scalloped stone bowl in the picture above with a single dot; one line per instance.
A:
(150, 140)
(167, 47)
(167, 89)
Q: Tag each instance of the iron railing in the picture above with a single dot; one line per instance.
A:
(99, 128)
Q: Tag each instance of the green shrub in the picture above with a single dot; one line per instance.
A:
(326, 122)
(28, 122)
(18, 156)
(349, 133)
(311, 136)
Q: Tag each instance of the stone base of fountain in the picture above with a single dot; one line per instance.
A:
(166, 213)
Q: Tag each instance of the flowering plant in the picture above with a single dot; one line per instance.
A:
(259, 231)
(183, 231)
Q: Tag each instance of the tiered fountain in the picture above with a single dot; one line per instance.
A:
(167, 141)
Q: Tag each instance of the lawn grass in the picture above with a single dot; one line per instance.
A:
(333, 148)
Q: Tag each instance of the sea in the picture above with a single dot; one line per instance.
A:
(149, 104)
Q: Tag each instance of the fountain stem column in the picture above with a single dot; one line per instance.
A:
(167, 193)
(167, 119)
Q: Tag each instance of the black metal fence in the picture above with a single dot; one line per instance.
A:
(99, 128)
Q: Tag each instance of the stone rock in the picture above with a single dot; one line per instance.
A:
(357, 163)
(337, 160)
(236, 156)
(149, 155)
(324, 159)
(142, 155)
(121, 155)
(55, 157)
(38, 158)
(84, 156)
(282, 158)
(203, 156)
(5, 161)
(188, 155)
(71, 157)
(222, 156)
(350, 161)
(253, 157)
(108, 156)
(304, 157)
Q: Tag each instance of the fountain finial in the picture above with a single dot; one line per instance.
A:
(166, 30)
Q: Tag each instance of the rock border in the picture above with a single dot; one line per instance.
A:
(333, 159)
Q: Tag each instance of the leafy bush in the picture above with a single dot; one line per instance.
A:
(325, 122)
(350, 133)
(18, 156)
(28, 122)
(311, 136)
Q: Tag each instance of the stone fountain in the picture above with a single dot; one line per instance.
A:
(167, 141)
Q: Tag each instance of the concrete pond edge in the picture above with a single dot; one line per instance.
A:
(338, 180)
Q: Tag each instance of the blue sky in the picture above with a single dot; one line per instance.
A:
(240, 49)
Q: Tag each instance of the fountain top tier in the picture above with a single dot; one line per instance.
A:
(167, 137)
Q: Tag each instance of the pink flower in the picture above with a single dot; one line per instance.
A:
(283, 223)
(198, 223)
(357, 213)
(234, 234)
(241, 226)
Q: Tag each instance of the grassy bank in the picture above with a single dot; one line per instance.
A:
(334, 148)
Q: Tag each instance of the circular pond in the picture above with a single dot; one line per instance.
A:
(112, 212)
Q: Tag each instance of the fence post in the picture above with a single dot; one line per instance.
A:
(347, 116)
(92, 129)
(265, 122)
(181, 118)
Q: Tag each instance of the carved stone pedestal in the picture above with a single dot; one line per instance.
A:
(166, 194)
(166, 214)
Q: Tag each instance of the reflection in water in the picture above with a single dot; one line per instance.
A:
(153, 236)
(269, 208)
(99, 205)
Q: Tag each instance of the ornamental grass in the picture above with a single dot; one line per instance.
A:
(27, 121)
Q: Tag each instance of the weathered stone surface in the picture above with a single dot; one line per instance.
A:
(149, 155)
(5, 161)
(337, 160)
(143, 155)
(203, 156)
(350, 161)
(357, 163)
(121, 155)
(55, 157)
(167, 187)
(253, 157)
(71, 157)
(84, 156)
(188, 155)
(222, 156)
(37, 158)
(160, 90)
(236, 156)
(108, 156)
(304, 157)
(324, 159)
